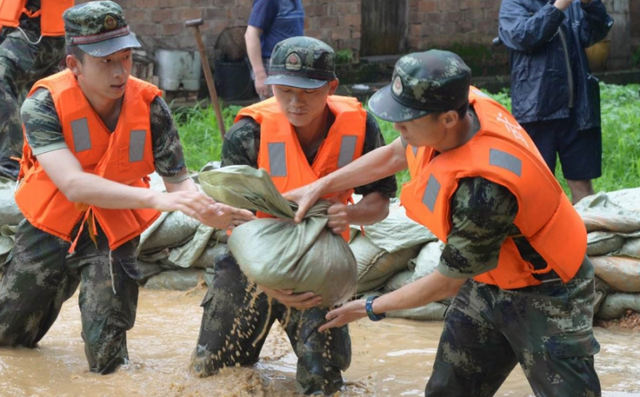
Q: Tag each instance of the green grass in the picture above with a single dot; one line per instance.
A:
(199, 133)
(620, 136)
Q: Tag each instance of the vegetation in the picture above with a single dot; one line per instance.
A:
(620, 136)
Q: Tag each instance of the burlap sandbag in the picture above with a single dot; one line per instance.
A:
(376, 265)
(9, 212)
(278, 253)
(615, 305)
(619, 272)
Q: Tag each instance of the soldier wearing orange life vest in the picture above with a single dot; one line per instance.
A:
(93, 135)
(301, 134)
(515, 248)
(31, 47)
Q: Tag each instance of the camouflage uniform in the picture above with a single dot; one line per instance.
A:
(236, 319)
(22, 63)
(547, 329)
(40, 275)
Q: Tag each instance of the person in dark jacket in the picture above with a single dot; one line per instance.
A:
(554, 96)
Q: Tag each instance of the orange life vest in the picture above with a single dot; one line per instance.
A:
(124, 156)
(50, 13)
(282, 156)
(503, 153)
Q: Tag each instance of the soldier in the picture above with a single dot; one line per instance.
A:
(84, 190)
(515, 248)
(303, 133)
(31, 47)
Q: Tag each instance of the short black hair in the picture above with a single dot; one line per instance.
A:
(462, 111)
(76, 52)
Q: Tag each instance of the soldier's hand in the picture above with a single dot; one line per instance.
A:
(305, 197)
(349, 312)
(192, 203)
(288, 298)
(222, 216)
(338, 218)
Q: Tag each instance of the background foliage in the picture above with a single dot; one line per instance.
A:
(620, 136)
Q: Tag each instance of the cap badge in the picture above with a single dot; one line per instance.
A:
(397, 86)
(110, 22)
(293, 62)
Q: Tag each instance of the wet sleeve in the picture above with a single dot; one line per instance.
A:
(167, 150)
(373, 139)
(41, 123)
(482, 214)
(521, 29)
(263, 14)
(242, 144)
(595, 24)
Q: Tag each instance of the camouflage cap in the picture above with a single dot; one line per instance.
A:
(422, 83)
(98, 28)
(301, 62)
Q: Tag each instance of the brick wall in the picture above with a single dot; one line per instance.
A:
(160, 23)
(465, 26)
(443, 22)
(336, 22)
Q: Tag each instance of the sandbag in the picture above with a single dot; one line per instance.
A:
(7, 237)
(376, 265)
(9, 212)
(600, 213)
(623, 274)
(615, 305)
(397, 231)
(628, 199)
(631, 249)
(399, 280)
(603, 243)
(181, 280)
(278, 253)
(427, 260)
(171, 229)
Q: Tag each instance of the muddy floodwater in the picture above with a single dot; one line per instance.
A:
(390, 358)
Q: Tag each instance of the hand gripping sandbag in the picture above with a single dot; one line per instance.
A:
(278, 253)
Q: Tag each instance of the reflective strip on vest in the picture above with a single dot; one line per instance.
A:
(431, 193)
(347, 150)
(81, 137)
(277, 159)
(505, 160)
(136, 145)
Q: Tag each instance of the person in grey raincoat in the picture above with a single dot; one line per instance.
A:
(554, 96)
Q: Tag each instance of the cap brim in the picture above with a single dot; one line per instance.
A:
(384, 105)
(295, 81)
(108, 47)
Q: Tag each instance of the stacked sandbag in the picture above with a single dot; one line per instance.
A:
(375, 265)
(10, 216)
(613, 225)
(277, 252)
(176, 248)
(385, 248)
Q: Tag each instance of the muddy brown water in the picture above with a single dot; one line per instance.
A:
(391, 358)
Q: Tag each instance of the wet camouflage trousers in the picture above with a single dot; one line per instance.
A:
(547, 329)
(40, 277)
(21, 65)
(236, 322)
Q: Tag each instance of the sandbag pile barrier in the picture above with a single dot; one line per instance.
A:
(177, 252)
